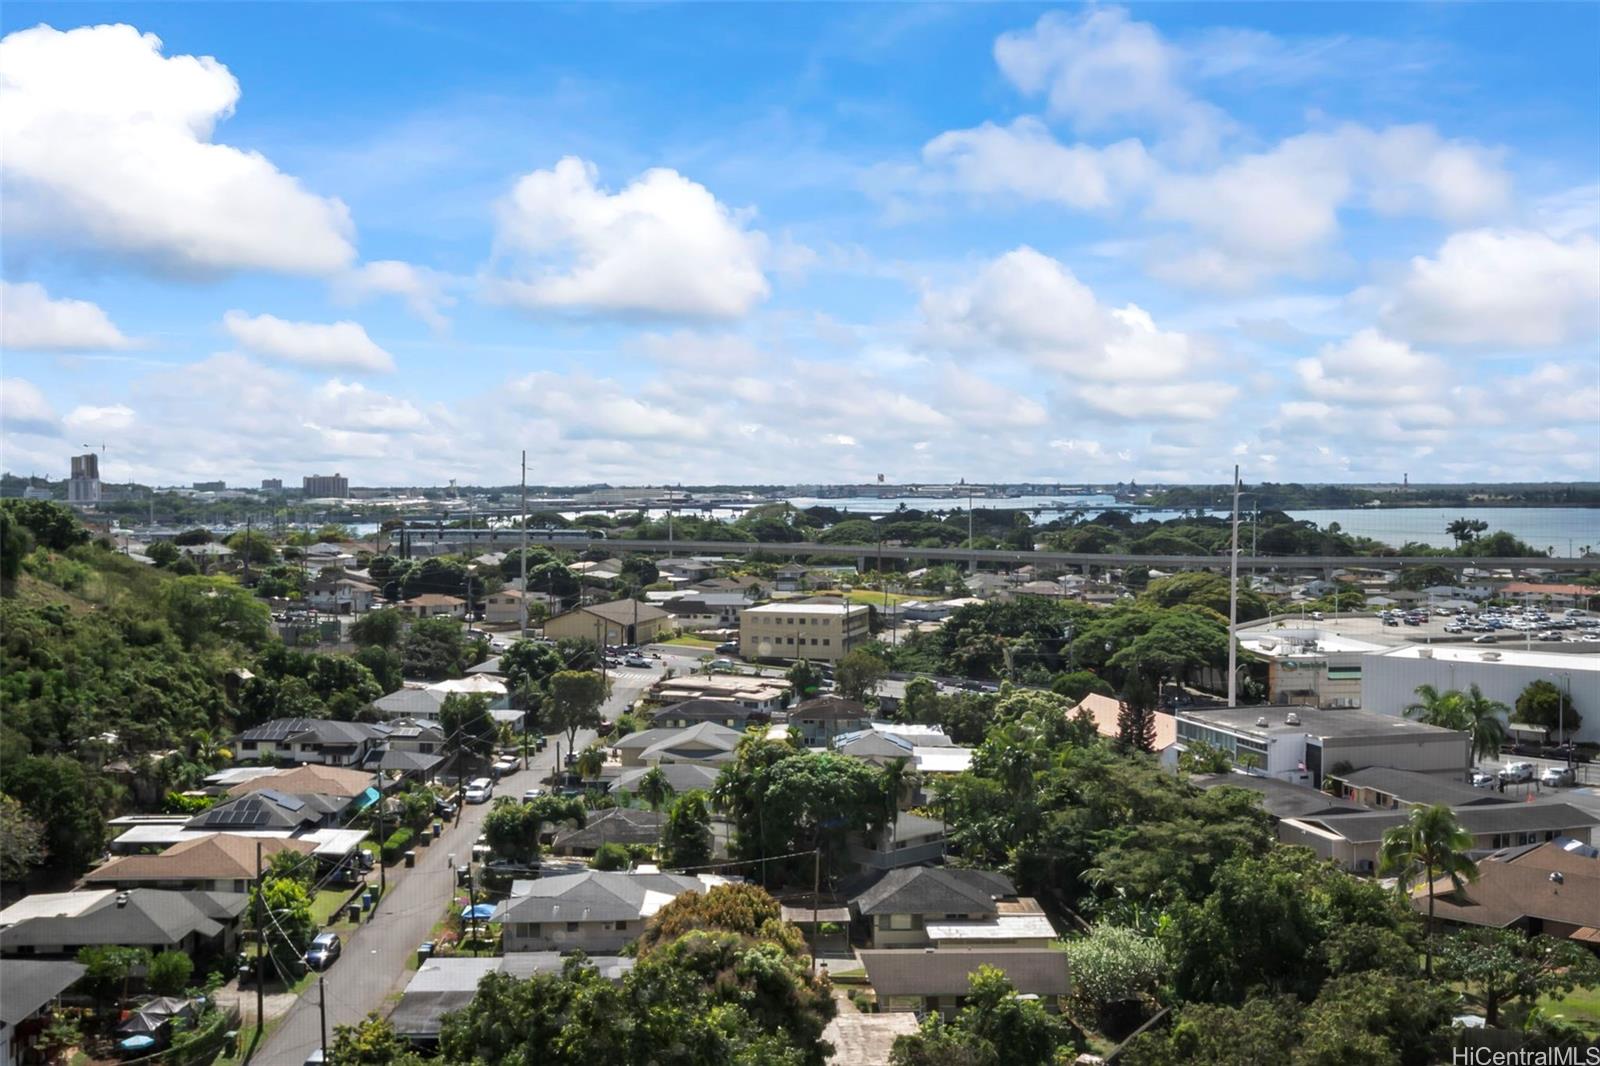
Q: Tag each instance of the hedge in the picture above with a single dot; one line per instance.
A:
(396, 845)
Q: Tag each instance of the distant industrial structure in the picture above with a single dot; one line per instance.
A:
(83, 489)
(272, 484)
(326, 487)
(210, 486)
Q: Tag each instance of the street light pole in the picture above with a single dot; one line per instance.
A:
(522, 600)
(1233, 598)
(322, 1014)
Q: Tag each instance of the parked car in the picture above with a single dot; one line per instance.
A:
(1516, 772)
(730, 648)
(479, 790)
(532, 794)
(1486, 638)
(1480, 779)
(636, 660)
(325, 948)
(722, 664)
(443, 809)
(1558, 777)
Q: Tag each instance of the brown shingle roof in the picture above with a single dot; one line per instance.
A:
(219, 857)
(622, 611)
(1520, 885)
(310, 779)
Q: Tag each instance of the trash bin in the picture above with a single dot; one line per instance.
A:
(424, 951)
(355, 912)
(426, 837)
(411, 858)
(369, 897)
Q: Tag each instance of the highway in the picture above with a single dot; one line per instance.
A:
(507, 538)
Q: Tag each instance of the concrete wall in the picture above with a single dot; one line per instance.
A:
(594, 938)
(1424, 754)
(1389, 683)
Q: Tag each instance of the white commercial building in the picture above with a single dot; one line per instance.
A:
(825, 632)
(1389, 679)
(1310, 666)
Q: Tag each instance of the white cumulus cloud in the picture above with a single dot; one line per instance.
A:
(108, 143)
(1025, 159)
(422, 289)
(327, 346)
(24, 409)
(31, 321)
(1490, 287)
(662, 246)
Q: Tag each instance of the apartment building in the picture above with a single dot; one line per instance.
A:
(824, 632)
(325, 486)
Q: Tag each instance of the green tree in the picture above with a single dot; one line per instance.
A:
(805, 680)
(60, 793)
(169, 973)
(50, 525)
(589, 762)
(1080, 683)
(654, 788)
(1543, 703)
(371, 1042)
(1462, 530)
(1377, 1018)
(434, 649)
(202, 610)
(686, 839)
(22, 845)
(996, 1026)
(575, 699)
(1504, 967)
(1198, 757)
(162, 553)
(1203, 589)
(899, 781)
(513, 829)
(288, 927)
(15, 542)
(109, 968)
(469, 730)
(611, 856)
(921, 701)
(253, 545)
(1114, 967)
(1265, 1029)
(1136, 726)
(858, 674)
(191, 537)
(381, 628)
(1430, 845)
(385, 666)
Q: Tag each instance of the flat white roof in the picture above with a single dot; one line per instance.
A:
(149, 835)
(1282, 643)
(1505, 656)
(942, 760)
(806, 608)
(52, 905)
(1001, 927)
(336, 842)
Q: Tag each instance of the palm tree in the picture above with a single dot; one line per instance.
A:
(1430, 844)
(655, 789)
(590, 761)
(899, 782)
(1442, 709)
(1484, 722)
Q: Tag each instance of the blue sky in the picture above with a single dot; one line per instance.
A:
(784, 243)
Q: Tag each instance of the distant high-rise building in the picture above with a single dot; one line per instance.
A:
(210, 486)
(83, 488)
(320, 486)
(272, 484)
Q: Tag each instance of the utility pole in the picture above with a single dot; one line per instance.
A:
(383, 871)
(522, 601)
(1233, 598)
(261, 950)
(972, 562)
(249, 539)
(322, 1014)
(816, 892)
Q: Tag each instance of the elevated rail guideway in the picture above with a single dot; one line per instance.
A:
(412, 538)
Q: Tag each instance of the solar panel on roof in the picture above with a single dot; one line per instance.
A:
(287, 802)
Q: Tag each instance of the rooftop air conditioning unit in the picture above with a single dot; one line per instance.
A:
(1490, 656)
(1262, 721)
(1424, 653)
(1291, 719)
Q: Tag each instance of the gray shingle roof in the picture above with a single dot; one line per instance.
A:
(1408, 786)
(694, 742)
(265, 809)
(706, 710)
(828, 707)
(313, 730)
(1282, 799)
(28, 984)
(946, 971)
(617, 825)
(596, 896)
(147, 916)
(934, 890)
(682, 776)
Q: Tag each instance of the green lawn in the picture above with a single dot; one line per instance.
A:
(326, 905)
(876, 599)
(692, 642)
(1582, 1007)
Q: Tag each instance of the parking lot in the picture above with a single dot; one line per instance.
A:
(1368, 626)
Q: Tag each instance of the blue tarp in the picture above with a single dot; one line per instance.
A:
(366, 799)
(137, 1043)
(481, 913)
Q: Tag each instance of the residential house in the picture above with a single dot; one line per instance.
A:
(310, 740)
(1281, 799)
(705, 744)
(433, 605)
(443, 985)
(722, 711)
(914, 840)
(323, 556)
(617, 622)
(596, 912)
(790, 578)
(822, 719)
(309, 779)
(1551, 888)
(28, 988)
(505, 607)
(938, 980)
(1530, 593)
(614, 825)
(1041, 590)
(266, 809)
(412, 701)
(881, 746)
(600, 572)
(215, 862)
(59, 924)
(1352, 840)
(1105, 711)
(707, 610)
(896, 910)
(825, 632)
(344, 595)
(686, 571)
(682, 776)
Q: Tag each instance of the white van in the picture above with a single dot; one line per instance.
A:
(479, 790)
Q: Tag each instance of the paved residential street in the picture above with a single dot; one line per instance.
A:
(373, 966)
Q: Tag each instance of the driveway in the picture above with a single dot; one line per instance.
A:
(373, 966)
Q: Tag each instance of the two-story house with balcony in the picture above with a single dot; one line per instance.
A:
(595, 912)
(930, 906)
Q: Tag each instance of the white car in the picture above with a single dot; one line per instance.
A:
(479, 790)
(1558, 777)
(1516, 772)
(532, 794)
(1480, 779)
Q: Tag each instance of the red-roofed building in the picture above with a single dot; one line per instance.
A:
(1104, 711)
(1530, 592)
